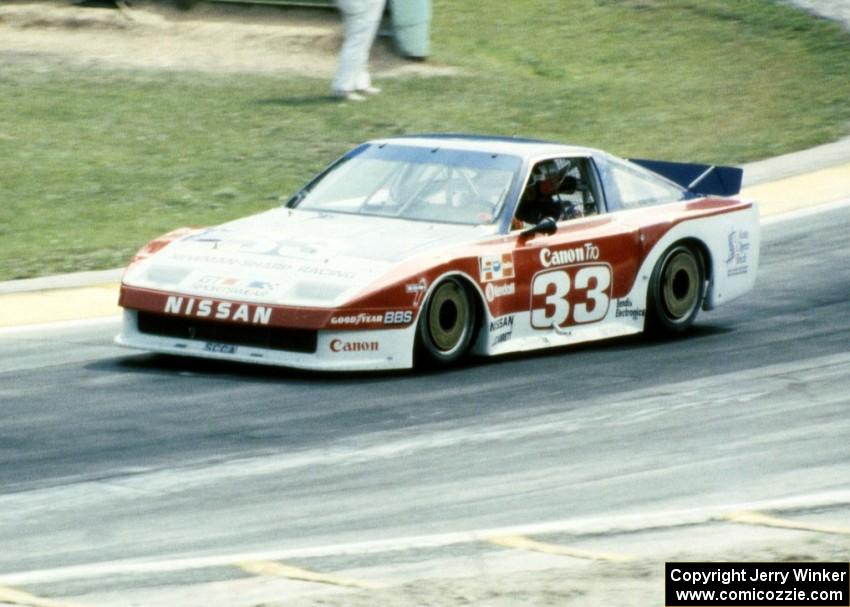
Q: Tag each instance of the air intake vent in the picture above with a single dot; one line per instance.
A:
(291, 340)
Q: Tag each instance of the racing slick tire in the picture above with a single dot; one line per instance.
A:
(446, 325)
(676, 290)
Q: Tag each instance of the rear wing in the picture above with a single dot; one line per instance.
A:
(698, 178)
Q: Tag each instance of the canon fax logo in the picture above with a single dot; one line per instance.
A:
(563, 257)
(219, 310)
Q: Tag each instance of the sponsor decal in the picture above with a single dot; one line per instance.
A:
(494, 291)
(504, 322)
(218, 280)
(338, 345)
(225, 241)
(220, 348)
(391, 317)
(502, 329)
(357, 319)
(739, 246)
(500, 339)
(218, 310)
(399, 317)
(327, 272)
(234, 286)
(496, 267)
(258, 263)
(304, 249)
(417, 289)
(564, 257)
(626, 309)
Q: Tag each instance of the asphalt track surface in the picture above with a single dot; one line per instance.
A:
(107, 455)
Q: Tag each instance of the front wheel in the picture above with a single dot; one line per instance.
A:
(676, 290)
(447, 324)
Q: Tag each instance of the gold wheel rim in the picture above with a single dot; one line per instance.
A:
(680, 285)
(448, 316)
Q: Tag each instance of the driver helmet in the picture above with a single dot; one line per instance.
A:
(546, 179)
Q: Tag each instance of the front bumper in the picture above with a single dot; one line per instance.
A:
(334, 350)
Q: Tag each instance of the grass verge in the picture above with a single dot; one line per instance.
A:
(93, 163)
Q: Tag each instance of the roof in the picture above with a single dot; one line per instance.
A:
(514, 146)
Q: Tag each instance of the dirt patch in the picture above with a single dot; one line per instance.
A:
(210, 38)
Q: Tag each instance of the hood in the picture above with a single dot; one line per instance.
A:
(291, 257)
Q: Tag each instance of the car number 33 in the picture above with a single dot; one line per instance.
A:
(424, 249)
(570, 296)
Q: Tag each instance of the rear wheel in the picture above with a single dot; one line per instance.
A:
(676, 290)
(447, 323)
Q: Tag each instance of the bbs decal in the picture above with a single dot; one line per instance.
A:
(572, 295)
(401, 317)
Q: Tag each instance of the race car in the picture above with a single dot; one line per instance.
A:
(424, 249)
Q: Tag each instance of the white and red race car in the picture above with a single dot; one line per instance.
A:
(431, 247)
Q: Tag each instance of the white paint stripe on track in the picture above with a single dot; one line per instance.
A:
(624, 523)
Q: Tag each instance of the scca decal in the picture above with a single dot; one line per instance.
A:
(220, 310)
(337, 345)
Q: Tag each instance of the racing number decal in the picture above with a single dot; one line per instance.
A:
(570, 296)
(555, 286)
(596, 282)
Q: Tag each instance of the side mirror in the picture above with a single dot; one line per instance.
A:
(547, 226)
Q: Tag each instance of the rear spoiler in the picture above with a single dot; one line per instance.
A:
(698, 178)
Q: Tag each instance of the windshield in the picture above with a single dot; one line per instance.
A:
(451, 186)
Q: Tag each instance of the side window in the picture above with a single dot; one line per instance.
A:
(561, 188)
(635, 188)
(584, 200)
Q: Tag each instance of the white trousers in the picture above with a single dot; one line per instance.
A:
(360, 21)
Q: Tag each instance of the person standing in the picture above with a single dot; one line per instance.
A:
(360, 19)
